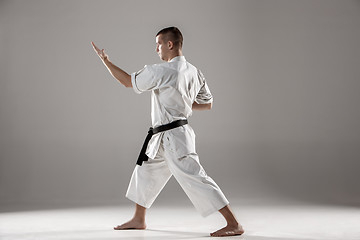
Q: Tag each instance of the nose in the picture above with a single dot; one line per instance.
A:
(157, 47)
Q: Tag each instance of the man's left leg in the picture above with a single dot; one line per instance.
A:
(145, 185)
(137, 222)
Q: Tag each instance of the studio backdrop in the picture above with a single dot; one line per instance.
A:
(285, 77)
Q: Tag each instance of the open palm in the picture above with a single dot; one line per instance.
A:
(99, 52)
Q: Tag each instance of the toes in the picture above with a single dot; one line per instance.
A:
(214, 234)
(119, 227)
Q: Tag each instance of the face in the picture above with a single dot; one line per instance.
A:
(162, 48)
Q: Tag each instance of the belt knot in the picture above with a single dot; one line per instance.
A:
(142, 156)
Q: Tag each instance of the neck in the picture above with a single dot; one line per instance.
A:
(174, 54)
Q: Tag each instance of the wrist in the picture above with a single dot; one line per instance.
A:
(106, 60)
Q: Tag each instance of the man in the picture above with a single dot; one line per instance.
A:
(177, 88)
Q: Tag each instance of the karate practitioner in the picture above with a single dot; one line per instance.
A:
(177, 88)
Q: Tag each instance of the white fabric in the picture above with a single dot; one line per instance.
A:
(174, 87)
(148, 180)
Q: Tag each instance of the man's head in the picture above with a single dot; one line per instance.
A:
(169, 43)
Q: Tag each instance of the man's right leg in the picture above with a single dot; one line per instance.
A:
(146, 183)
(203, 192)
(232, 228)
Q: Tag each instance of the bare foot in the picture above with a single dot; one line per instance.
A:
(228, 231)
(132, 224)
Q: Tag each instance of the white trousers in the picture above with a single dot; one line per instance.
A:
(148, 180)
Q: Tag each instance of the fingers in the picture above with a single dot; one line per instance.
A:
(99, 52)
(95, 47)
(93, 44)
(104, 55)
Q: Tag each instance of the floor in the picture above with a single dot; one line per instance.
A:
(261, 222)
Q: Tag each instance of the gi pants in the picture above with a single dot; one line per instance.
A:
(148, 180)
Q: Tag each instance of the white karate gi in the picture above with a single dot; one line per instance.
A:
(174, 86)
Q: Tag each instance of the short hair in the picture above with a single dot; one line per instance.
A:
(172, 34)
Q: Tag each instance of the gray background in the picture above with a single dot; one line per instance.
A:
(285, 77)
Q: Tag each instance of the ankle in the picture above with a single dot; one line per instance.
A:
(139, 219)
(233, 224)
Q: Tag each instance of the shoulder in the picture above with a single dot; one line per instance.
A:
(194, 69)
(158, 67)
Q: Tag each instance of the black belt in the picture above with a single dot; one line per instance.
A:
(143, 157)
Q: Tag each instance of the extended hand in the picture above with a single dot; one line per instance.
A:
(99, 52)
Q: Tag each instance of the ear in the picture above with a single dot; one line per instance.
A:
(170, 45)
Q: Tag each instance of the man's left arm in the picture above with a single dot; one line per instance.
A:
(205, 106)
(204, 98)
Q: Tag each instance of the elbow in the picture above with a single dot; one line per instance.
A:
(209, 106)
(128, 85)
(126, 81)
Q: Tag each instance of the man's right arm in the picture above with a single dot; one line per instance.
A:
(123, 77)
(119, 74)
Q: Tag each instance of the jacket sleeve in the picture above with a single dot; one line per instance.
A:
(204, 95)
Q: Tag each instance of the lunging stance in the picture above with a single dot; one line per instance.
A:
(177, 88)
